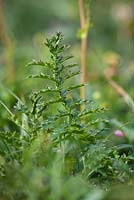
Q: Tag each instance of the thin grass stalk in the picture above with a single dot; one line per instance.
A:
(7, 44)
(83, 23)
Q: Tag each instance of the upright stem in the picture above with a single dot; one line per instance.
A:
(7, 44)
(83, 66)
(83, 23)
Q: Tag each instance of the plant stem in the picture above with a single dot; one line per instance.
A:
(6, 108)
(83, 22)
(119, 89)
(7, 44)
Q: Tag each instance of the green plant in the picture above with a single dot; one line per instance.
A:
(60, 116)
(54, 139)
(68, 127)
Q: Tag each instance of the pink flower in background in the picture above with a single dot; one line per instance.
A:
(119, 133)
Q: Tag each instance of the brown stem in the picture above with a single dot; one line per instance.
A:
(83, 23)
(82, 15)
(128, 100)
(7, 44)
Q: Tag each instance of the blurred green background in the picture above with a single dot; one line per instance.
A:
(24, 26)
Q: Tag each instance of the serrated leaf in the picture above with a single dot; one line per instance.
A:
(74, 87)
(66, 58)
(67, 76)
(48, 89)
(88, 112)
(70, 66)
(40, 63)
(42, 75)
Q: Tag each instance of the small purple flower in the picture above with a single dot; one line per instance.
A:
(119, 133)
